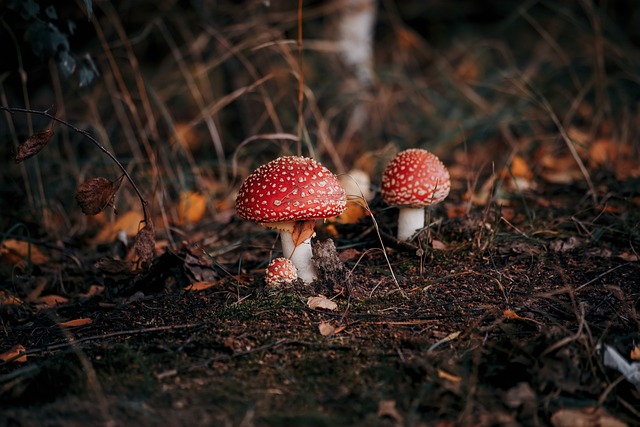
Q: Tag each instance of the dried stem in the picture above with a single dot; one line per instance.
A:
(95, 142)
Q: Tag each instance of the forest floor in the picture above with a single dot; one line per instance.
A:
(504, 324)
(500, 313)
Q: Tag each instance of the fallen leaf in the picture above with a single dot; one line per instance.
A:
(76, 322)
(321, 302)
(19, 250)
(448, 377)
(326, 329)
(629, 257)
(191, 208)
(635, 353)
(129, 222)
(438, 245)
(584, 417)
(51, 300)
(199, 286)
(387, 408)
(510, 314)
(8, 299)
(14, 354)
(303, 230)
(93, 290)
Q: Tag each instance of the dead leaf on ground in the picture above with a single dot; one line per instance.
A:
(76, 322)
(326, 329)
(635, 353)
(51, 300)
(8, 299)
(191, 208)
(387, 408)
(585, 417)
(448, 377)
(16, 251)
(14, 354)
(129, 222)
(199, 286)
(321, 302)
(510, 314)
(93, 290)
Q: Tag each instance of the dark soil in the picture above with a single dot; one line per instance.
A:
(502, 327)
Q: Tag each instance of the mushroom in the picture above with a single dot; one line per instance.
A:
(413, 180)
(280, 271)
(289, 194)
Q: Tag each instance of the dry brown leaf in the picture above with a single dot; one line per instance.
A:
(14, 354)
(33, 145)
(627, 256)
(51, 300)
(326, 329)
(8, 299)
(16, 251)
(303, 230)
(448, 377)
(199, 286)
(95, 194)
(585, 417)
(129, 222)
(354, 212)
(76, 322)
(438, 245)
(635, 353)
(510, 314)
(321, 302)
(93, 290)
(387, 408)
(191, 208)
(145, 243)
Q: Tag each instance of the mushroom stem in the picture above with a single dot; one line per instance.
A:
(410, 220)
(300, 256)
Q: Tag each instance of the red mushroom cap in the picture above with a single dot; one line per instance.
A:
(280, 271)
(415, 178)
(290, 188)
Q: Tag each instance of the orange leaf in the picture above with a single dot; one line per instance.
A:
(20, 248)
(129, 222)
(76, 322)
(303, 230)
(449, 377)
(191, 208)
(52, 300)
(510, 314)
(635, 353)
(200, 286)
(14, 354)
(8, 299)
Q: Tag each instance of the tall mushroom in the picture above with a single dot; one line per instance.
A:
(289, 194)
(413, 180)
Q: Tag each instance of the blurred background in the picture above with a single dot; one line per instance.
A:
(192, 96)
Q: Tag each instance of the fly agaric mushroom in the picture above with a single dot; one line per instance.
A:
(414, 179)
(289, 194)
(280, 271)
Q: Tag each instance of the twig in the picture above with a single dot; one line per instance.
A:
(73, 342)
(92, 139)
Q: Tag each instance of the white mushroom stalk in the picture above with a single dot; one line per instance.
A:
(290, 193)
(413, 180)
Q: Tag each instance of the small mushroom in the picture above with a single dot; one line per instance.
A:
(280, 271)
(289, 194)
(413, 180)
